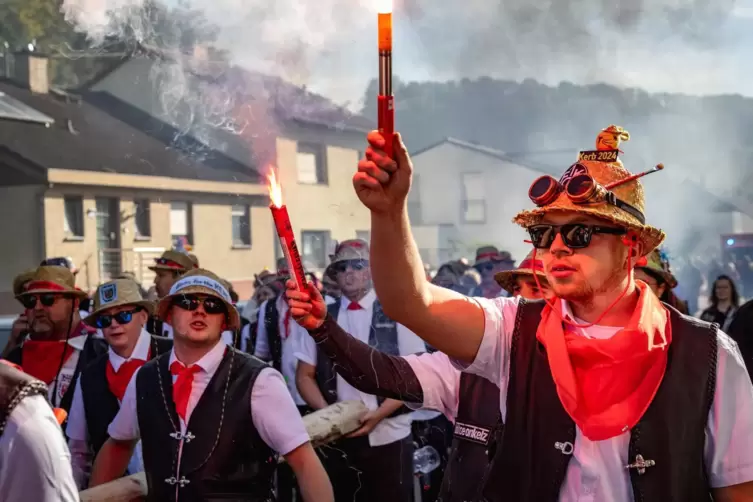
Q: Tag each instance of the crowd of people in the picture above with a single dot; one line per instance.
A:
(573, 374)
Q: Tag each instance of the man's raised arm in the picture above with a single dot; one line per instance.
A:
(445, 319)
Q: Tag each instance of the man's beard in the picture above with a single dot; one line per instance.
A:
(42, 328)
(585, 292)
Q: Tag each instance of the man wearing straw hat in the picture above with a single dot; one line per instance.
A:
(167, 269)
(59, 345)
(121, 313)
(489, 262)
(654, 270)
(521, 281)
(211, 419)
(606, 393)
(20, 327)
(469, 401)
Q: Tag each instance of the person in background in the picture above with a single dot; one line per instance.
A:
(605, 393)
(262, 293)
(212, 420)
(35, 464)
(58, 347)
(382, 449)
(330, 289)
(741, 331)
(470, 402)
(489, 262)
(724, 302)
(657, 274)
(168, 268)
(20, 328)
(121, 312)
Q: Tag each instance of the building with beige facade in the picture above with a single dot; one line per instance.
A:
(97, 176)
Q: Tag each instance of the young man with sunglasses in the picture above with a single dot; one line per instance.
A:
(121, 313)
(212, 420)
(381, 450)
(489, 262)
(606, 394)
(469, 401)
(59, 345)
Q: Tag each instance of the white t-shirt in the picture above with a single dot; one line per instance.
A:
(358, 324)
(273, 412)
(440, 382)
(289, 344)
(34, 462)
(597, 470)
(77, 429)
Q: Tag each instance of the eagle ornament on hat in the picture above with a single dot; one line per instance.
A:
(614, 198)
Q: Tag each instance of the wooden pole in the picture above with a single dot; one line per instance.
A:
(323, 426)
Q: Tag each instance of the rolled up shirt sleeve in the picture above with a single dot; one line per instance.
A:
(729, 430)
(274, 413)
(439, 380)
(125, 425)
(305, 349)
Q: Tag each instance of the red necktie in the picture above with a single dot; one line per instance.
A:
(118, 380)
(182, 386)
(42, 359)
(354, 306)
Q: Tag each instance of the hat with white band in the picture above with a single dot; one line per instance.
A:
(201, 282)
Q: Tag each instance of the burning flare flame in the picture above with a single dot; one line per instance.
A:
(384, 6)
(275, 189)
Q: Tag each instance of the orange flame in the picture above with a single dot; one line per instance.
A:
(275, 189)
(384, 6)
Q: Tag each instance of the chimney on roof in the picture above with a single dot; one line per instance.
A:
(32, 71)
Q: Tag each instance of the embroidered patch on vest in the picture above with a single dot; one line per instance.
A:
(473, 433)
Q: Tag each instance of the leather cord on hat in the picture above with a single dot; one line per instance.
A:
(632, 238)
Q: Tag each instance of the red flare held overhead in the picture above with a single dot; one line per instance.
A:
(385, 100)
(285, 232)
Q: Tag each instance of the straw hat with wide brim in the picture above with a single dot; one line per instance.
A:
(117, 293)
(658, 265)
(52, 280)
(174, 261)
(20, 281)
(201, 282)
(603, 173)
(507, 278)
(349, 250)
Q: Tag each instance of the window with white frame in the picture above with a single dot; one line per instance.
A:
(181, 223)
(73, 220)
(315, 245)
(241, 225)
(311, 164)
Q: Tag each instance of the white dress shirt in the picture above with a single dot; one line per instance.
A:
(273, 412)
(358, 324)
(34, 462)
(77, 429)
(440, 382)
(289, 344)
(597, 470)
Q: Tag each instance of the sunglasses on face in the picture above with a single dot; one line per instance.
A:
(47, 300)
(574, 235)
(191, 303)
(124, 317)
(485, 267)
(353, 264)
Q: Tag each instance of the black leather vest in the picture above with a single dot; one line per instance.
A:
(223, 456)
(382, 337)
(272, 325)
(156, 327)
(477, 426)
(101, 405)
(14, 387)
(536, 445)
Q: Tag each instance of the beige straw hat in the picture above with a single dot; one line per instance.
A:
(507, 278)
(117, 293)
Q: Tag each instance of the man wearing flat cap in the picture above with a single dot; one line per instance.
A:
(59, 345)
(167, 269)
(121, 313)
(212, 420)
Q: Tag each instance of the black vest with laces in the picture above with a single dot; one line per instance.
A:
(223, 457)
(101, 405)
(537, 443)
(382, 336)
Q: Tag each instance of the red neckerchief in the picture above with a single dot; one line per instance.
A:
(607, 385)
(118, 381)
(41, 359)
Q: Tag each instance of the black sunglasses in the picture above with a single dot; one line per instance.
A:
(191, 302)
(123, 317)
(574, 235)
(342, 266)
(485, 267)
(48, 300)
